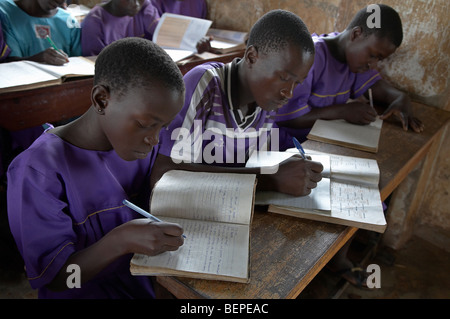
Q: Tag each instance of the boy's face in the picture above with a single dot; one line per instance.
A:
(132, 122)
(129, 7)
(274, 76)
(49, 5)
(364, 52)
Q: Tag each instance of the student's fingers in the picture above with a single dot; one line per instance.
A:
(404, 120)
(315, 166)
(171, 229)
(371, 115)
(55, 57)
(64, 54)
(386, 114)
(416, 125)
(150, 238)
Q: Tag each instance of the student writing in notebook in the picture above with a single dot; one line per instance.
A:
(229, 108)
(27, 23)
(343, 69)
(117, 19)
(65, 192)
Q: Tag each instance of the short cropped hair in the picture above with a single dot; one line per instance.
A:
(390, 24)
(136, 62)
(275, 30)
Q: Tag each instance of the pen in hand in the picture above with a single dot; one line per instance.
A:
(299, 147)
(53, 45)
(370, 97)
(142, 212)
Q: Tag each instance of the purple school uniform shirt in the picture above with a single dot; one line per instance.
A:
(62, 199)
(329, 82)
(101, 28)
(208, 129)
(192, 8)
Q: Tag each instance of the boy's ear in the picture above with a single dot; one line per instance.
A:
(251, 55)
(356, 33)
(100, 98)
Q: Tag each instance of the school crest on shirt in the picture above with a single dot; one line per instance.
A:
(41, 31)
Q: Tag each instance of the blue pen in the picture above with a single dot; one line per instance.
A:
(299, 147)
(142, 212)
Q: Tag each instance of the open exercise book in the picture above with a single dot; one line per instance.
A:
(179, 34)
(343, 133)
(215, 211)
(22, 75)
(225, 41)
(348, 193)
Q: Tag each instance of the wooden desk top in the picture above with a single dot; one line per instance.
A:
(287, 252)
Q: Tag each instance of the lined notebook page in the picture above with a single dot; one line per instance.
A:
(204, 196)
(357, 203)
(211, 248)
(318, 199)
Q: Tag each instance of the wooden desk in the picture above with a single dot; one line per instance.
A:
(30, 108)
(286, 252)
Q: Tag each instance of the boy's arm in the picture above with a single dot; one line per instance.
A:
(295, 176)
(136, 236)
(399, 104)
(356, 112)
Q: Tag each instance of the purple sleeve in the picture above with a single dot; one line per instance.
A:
(201, 91)
(149, 18)
(363, 82)
(93, 33)
(43, 232)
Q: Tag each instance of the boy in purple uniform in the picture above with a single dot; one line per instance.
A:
(228, 111)
(344, 68)
(114, 20)
(65, 192)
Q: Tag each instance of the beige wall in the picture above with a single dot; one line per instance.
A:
(420, 66)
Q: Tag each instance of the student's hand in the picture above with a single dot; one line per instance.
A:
(401, 108)
(150, 238)
(358, 112)
(204, 45)
(51, 56)
(296, 176)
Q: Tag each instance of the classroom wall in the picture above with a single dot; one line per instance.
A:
(420, 66)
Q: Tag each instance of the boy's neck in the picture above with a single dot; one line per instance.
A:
(113, 9)
(84, 132)
(241, 96)
(336, 45)
(33, 9)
